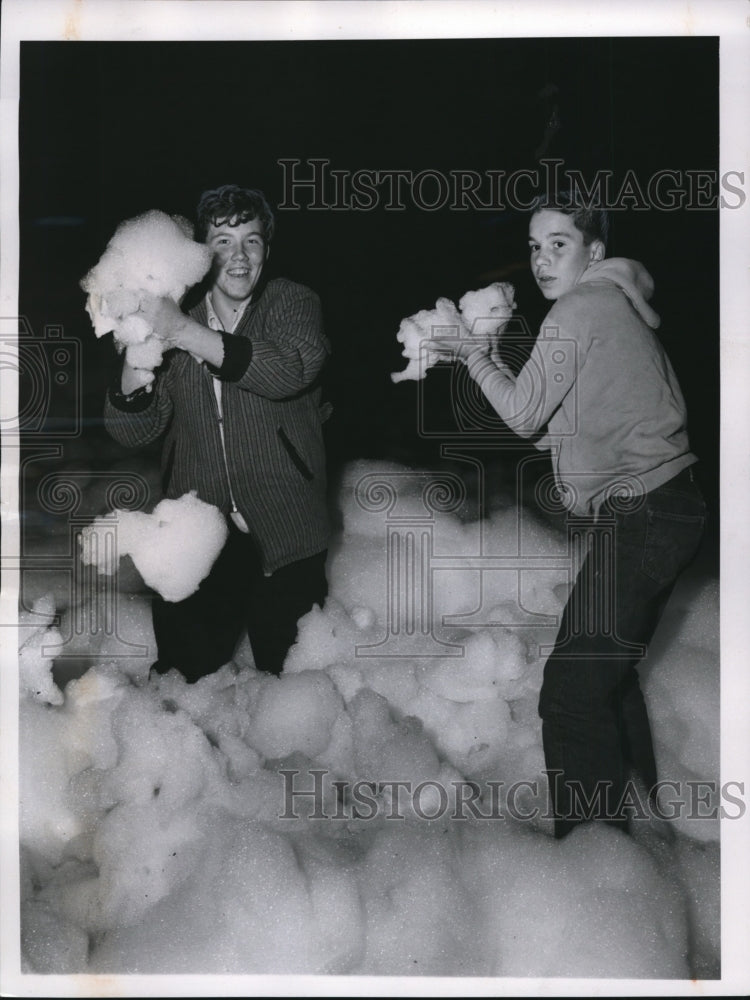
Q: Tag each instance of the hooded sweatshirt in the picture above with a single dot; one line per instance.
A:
(600, 383)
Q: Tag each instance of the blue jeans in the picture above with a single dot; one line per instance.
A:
(595, 727)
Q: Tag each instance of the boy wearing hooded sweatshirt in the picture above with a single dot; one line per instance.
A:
(602, 394)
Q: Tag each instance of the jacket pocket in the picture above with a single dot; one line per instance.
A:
(295, 456)
(168, 466)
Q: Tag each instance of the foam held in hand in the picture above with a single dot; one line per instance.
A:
(152, 254)
(483, 312)
(417, 329)
(486, 310)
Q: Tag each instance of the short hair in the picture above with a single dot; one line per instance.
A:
(234, 205)
(593, 222)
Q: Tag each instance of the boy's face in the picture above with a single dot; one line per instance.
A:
(558, 254)
(239, 254)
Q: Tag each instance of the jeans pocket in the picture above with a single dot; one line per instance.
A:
(671, 542)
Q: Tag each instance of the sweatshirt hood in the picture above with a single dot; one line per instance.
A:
(632, 278)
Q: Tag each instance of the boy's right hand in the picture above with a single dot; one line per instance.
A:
(163, 316)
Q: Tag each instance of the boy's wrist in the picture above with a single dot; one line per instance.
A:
(133, 380)
(200, 341)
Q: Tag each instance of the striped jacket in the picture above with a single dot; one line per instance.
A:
(271, 416)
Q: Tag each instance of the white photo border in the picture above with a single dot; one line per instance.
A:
(195, 20)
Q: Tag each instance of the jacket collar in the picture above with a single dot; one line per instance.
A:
(199, 309)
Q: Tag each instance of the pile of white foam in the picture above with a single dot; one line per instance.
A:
(168, 828)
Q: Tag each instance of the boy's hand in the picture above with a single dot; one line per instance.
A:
(175, 329)
(164, 317)
(134, 378)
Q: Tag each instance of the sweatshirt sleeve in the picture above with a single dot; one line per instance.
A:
(293, 349)
(527, 401)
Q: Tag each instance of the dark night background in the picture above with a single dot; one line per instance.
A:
(108, 130)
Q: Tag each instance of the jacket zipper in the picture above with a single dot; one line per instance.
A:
(220, 420)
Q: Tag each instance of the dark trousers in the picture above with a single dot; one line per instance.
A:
(199, 634)
(595, 727)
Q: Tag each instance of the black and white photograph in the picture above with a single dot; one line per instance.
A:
(374, 498)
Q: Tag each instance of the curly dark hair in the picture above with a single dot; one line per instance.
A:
(234, 205)
(591, 221)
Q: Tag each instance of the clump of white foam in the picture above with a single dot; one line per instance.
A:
(682, 691)
(152, 254)
(416, 331)
(487, 310)
(593, 904)
(173, 548)
(481, 313)
(40, 642)
(295, 713)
